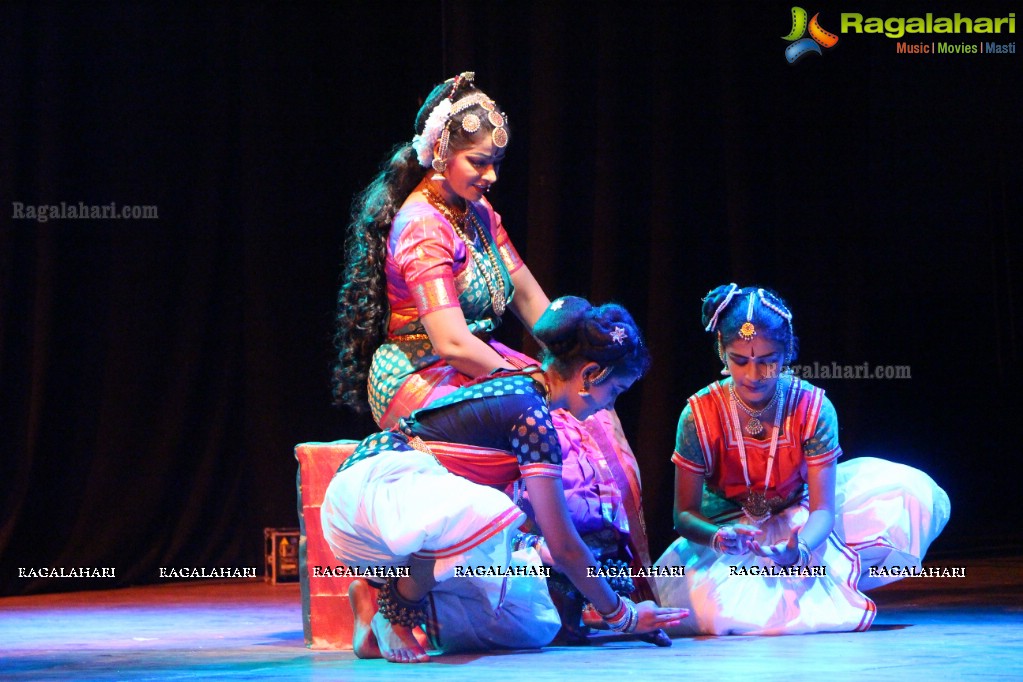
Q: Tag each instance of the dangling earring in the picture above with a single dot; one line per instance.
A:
(438, 177)
(586, 388)
(721, 356)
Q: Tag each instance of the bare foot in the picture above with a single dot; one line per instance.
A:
(363, 599)
(397, 643)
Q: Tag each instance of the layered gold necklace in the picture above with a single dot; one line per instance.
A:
(757, 507)
(754, 426)
(488, 266)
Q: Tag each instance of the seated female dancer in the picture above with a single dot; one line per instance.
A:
(427, 496)
(777, 538)
(429, 273)
(429, 268)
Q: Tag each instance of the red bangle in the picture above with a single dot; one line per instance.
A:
(616, 612)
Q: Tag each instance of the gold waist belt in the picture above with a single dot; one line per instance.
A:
(408, 338)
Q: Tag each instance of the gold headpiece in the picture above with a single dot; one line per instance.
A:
(438, 124)
(748, 330)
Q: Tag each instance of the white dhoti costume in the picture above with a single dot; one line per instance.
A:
(887, 514)
(386, 509)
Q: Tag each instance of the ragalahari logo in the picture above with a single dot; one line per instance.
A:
(802, 46)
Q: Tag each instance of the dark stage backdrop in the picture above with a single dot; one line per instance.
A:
(156, 374)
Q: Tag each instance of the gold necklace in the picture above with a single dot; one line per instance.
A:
(491, 271)
(756, 507)
(754, 426)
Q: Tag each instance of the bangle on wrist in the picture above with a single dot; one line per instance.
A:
(803, 558)
(716, 542)
(804, 552)
(625, 618)
(615, 611)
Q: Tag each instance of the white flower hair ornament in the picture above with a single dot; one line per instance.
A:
(432, 129)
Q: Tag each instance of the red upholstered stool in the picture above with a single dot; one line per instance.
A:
(326, 614)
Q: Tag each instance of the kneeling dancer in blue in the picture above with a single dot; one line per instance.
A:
(438, 495)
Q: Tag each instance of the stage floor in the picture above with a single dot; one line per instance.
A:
(245, 629)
